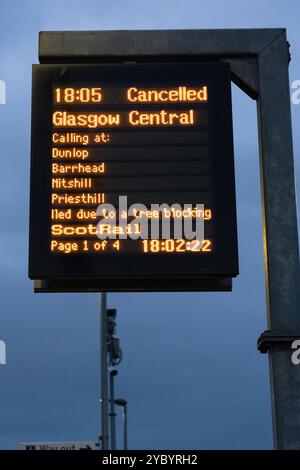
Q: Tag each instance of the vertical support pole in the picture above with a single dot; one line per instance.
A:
(281, 251)
(112, 413)
(125, 424)
(104, 372)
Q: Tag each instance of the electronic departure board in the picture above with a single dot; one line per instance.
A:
(132, 177)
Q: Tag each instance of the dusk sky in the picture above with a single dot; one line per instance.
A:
(191, 372)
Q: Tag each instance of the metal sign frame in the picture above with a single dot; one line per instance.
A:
(259, 62)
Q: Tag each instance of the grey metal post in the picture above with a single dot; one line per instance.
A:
(123, 404)
(125, 424)
(104, 373)
(281, 250)
(112, 413)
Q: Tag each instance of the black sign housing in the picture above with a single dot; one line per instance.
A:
(164, 136)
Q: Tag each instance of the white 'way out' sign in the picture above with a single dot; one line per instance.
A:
(85, 445)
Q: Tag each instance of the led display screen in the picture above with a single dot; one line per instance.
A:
(129, 164)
